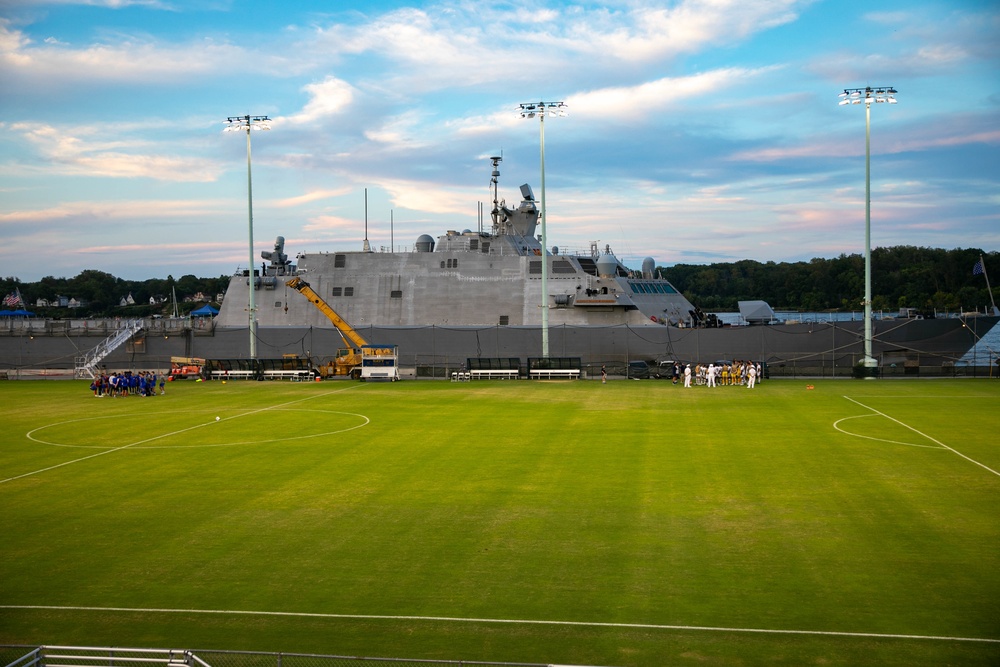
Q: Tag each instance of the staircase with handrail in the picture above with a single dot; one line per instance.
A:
(87, 364)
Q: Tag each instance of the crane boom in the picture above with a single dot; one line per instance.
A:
(350, 336)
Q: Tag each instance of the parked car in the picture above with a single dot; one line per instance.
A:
(665, 369)
(637, 370)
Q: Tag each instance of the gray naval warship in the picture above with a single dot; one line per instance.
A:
(478, 294)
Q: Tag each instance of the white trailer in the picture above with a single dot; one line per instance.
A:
(379, 362)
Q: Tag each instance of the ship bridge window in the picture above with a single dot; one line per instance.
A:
(396, 294)
(339, 261)
(450, 264)
(649, 287)
(535, 268)
(562, 266)
(588, 265)
(486, 247)
(337, 291)
(473, 244)
(348, 291)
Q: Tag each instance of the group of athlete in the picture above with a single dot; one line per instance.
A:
(128, 383)
(737, 373)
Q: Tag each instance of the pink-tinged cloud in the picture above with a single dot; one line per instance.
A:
(309, 198)
(919, 140)
(326, 223)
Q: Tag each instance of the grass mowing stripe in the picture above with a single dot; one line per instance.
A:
(510, 621)
(165, 435)
(641, 506)
(951, 449)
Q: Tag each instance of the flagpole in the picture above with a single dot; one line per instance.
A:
(989, 289)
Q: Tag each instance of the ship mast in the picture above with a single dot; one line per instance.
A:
(496, 160)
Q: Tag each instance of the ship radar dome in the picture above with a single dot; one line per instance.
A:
(607, 265)
(425, 243)
(648, 268)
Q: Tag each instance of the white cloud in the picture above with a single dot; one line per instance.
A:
(649, 97)
(471, 44)
(74, 154)
(326, 98)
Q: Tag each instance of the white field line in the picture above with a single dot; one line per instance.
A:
(364, 422)
(452, 619)
(167, 435)
(950, 449)
(836, 425)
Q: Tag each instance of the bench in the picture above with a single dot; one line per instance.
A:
(494, 374)
(269, 375)
(292, 375)
(233, 375)
(555, 373)
(460, 376)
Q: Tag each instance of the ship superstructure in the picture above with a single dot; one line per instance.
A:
(467, 278)
(478, 294)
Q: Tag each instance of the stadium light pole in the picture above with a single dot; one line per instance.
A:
(237, 124)
(530, 110)
(867, 95)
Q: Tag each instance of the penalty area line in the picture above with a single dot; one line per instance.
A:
(934, 440)
(453, 619)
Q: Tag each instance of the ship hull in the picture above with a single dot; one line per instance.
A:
(939, 342)
(931, 346)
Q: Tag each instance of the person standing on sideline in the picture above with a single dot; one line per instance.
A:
(687, 375)
(604, 374)
(710, 376)
(751, 376)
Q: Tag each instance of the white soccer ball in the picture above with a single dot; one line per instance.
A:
(216, 419)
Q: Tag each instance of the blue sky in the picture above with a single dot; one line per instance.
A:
(698, 130)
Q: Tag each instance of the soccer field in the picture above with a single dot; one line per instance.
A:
(574, 522)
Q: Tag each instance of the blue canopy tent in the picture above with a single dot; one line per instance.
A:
(20, 312)
(205, 311)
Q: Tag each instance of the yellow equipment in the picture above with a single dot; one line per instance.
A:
(348, 360)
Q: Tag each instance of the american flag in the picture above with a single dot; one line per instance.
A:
(12, 299)
(978, 268)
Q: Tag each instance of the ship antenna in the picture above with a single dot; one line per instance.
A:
(496, 160)
(367, 246)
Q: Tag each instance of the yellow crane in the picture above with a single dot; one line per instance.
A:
(348, 360)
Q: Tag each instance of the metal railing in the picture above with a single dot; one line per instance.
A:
(86, 364)
(83, 656)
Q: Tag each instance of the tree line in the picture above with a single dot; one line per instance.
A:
(101, 294)
(902, 276)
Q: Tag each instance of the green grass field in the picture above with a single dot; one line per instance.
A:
(632, 523)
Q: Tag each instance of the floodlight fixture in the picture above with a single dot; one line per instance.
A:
(530, 110)
(247, 123)
(878, 95)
